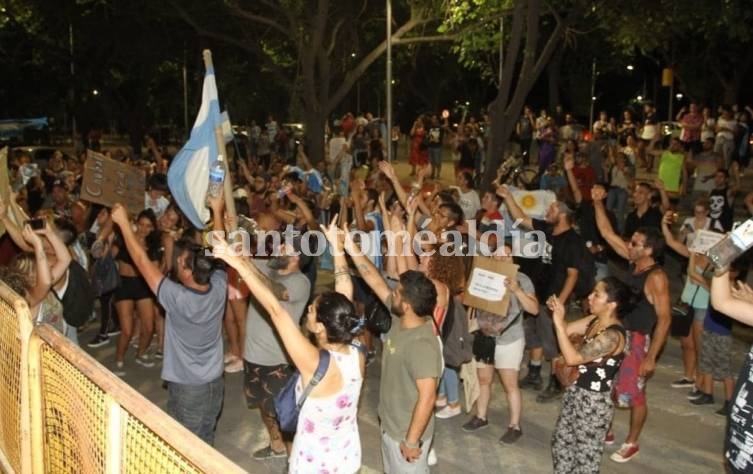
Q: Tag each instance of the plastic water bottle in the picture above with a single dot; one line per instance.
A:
(732, 245)
(216, 177)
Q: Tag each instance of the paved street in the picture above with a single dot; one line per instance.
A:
(678, 436)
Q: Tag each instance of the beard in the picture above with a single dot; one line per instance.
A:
(279, 263)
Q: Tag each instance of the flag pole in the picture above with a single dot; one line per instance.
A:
(232, 222)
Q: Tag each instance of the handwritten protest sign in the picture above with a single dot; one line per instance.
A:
(108, 182)
(704, 240)
(486, 286)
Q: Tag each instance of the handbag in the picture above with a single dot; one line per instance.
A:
(105, 276)
(285, 403)
(567, 374)
(682, 317)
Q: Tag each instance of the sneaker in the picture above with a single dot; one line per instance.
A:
(99, 340)
(683, 383)
(113, 332)
(268, 453)
(230, 357)
(694, 393)
(704, 399)
(475, 424)
(724, 410)
(511, 436)
(144, 361)
(234, 366)
(609, 439)
(441, 402)
(158, 354)
(431, 459)
(626, 452)
(119, 371)
(448, 412)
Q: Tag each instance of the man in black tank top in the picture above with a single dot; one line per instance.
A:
(647, 323)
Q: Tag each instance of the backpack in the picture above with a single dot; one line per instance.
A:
(457, 341)
(586, 274)
(78, 300)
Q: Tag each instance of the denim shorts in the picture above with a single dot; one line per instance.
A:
(196, 407)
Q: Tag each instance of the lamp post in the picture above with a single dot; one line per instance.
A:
(593, 95)
(388, 138)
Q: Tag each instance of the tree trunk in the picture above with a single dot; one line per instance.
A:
(554, 76)
(314, 120)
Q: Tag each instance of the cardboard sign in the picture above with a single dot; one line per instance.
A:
(704, 240)
(108, 182)
(486, 286)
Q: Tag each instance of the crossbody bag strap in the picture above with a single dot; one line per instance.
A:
(511, 323)
(321, 370)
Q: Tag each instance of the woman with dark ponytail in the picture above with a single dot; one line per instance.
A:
(327, 436)
(587, 407)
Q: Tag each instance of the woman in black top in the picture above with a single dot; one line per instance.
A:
(587, 408)
(133, 298)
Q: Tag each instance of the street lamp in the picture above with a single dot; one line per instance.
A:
(630, 67)
(95, 92)
(639, 98)
(678, 96)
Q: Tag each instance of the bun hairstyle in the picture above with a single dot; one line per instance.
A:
(338, 316)
(619, 293)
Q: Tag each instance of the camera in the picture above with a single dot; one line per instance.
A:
(36, 224)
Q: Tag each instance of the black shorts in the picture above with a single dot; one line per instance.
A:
(261, 383)
(132, 288)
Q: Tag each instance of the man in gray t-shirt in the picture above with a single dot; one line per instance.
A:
(265, 366)
(194, 304)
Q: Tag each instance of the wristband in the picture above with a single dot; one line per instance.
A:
(413, 445)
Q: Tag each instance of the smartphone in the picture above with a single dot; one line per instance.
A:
(36, 224)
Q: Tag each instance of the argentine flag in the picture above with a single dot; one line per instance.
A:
(188, 175)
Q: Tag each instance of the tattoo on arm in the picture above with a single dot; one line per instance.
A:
(277, 288)
(602, 345)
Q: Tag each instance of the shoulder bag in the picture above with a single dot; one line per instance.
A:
(285, 404)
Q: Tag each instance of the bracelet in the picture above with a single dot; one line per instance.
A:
(412, 445)
(340, 274)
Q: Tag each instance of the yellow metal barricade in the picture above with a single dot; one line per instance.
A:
(62, 411)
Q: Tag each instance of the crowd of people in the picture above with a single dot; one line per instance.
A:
(165, 298)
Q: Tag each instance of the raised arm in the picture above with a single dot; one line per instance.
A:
(44, 280)
(665, 204)
(367, 270)
(386, 168)
(62, 253)
(669, 237)
(15, 233)
(515, 211)
(569, 165)
(605, 227)
(305, 356)
(305, 210)
(149, 270)
(336, 238)
(724, 302)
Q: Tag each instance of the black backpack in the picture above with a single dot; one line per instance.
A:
(457, 340)
(78, 300)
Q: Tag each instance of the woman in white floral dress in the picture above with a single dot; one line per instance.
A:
(327, 440)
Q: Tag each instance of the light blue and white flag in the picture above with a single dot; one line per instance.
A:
(188, 175)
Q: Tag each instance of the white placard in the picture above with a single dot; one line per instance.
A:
(704, 240)
(487, 285)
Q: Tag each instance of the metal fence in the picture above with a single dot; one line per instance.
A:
(62, 411)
